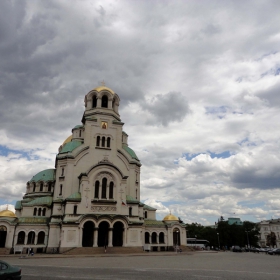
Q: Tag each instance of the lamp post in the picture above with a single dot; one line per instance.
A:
(177, 231)
(195, 242)
(247, 238)
(218, 240)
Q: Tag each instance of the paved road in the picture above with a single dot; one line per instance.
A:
(181, 266)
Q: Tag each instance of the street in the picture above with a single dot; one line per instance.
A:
(209, 265)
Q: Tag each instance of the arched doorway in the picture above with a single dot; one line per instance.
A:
(88, 234)
(3, 235)
(176, 237)
(118, 234)
(103, 234)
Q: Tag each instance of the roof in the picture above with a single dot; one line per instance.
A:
(104, 88)
(45, 200)
(68, 139)
(236, 221)
(78, 126)
(147, 207)
(7, 213)
(45, 175)
(74, 197)
(170, 218)
(18, 205)
(70, 146)
(130, 151)
(130, 199)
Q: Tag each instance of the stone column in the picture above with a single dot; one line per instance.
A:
(98, 104)
(110, 238)
(110, 104)
(95, 237)
(36, 239)
(125, 234)
(25, 239)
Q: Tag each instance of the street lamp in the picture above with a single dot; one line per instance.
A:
(247, 238)
(195, 242)
(177, 231)
(218, 240)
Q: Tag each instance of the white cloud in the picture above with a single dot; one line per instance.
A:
(199, 87)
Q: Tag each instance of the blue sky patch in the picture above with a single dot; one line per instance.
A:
(4, 151)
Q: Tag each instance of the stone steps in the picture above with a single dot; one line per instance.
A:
(4, 251)
(100, 250)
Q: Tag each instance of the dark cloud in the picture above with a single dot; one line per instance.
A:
(167, 108)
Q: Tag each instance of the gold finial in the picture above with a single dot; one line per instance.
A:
(103, 83)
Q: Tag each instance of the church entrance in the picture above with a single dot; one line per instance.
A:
(118, 234)
(3, 235)
(103, 234)
(176, 237)
(88, 234)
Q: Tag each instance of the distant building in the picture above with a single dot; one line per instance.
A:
(235, 221)
(92, 196)
(267, 228)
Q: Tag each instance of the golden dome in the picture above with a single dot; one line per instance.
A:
(170, 218)
(7, 213)
(67, 140)
(103, 88)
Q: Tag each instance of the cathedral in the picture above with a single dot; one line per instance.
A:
(91, 198)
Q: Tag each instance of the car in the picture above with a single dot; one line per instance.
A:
(236, 249)
(254, 250)
(9, 272)
(275, 251)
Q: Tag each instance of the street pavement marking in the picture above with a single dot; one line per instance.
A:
(216, 277)
(156, 269)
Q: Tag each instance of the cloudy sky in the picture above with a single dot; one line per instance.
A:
(199, 83)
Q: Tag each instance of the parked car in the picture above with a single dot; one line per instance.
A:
(236, 249)
(255, 250)
(264, 250)
(10, 272)
(275, 251)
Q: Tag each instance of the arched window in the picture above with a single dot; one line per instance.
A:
(94, 101)
(60, 191)
(49, 187)
(154, 237)
(108, 142)
(104, 187)
(111, 190)
(98, 141)
(75, 209)
(39, 212)
(80, 133)
(41, 187)
(41, 238)
(147, 238)
(104, 101)
(62, 171)
(21, 237)
(161, 237)
(103, 141)
(96, 191)
(44, 212)
(146, 214)
(130, 211)
(31, 237)
(35, 212)
(34, 187)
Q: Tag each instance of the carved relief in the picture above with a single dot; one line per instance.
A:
(103, 208)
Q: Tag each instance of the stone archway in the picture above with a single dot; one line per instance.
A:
(176, 237)
(3, 236)
(103, 231)
(88, 234)
(118, 229)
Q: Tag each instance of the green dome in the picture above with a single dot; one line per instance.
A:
(45, 176)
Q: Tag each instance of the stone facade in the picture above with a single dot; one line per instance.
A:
(92, 196)
(267, 228)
